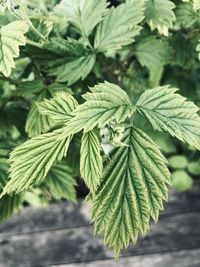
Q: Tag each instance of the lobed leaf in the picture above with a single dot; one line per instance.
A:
(119, 26)
(83, 14)
(70, 61)
(106, 102)
(170, 112)
(133, 188)
(11, 37)
(58, 108)
(160, 15)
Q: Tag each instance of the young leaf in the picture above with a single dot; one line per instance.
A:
(132, 189)
(171, 112)
(83, 14)
(11, 37)
(105, 103)
(70, 61)
(160, 15)
(61, 182)
(58, 108)
(91, 165)
(119, 26)
(31, 161)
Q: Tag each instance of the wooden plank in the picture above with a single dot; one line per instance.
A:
(176, 232)
(67, 215)
(183, 258)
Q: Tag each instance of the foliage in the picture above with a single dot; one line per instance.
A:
(89, 89)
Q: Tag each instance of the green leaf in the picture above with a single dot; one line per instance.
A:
(170, 112)
(119, 26)
(185, 15)
(83, 14)
(178, 162)
(91, 166)
(160, 15)
(195, 3)
(105, 103)
(9, 205)
(31, 161)
(61, 182)
(58, 108)
(29, 88)
(36, 122)
(71, 61)
(181, 181)
(132, 189)
(153, 59)
(11, 37)
(194, 168)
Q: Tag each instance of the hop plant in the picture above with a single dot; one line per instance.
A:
(83, 70)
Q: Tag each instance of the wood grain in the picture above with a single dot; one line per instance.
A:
(184, 258)
(175, 232)
(67, 215)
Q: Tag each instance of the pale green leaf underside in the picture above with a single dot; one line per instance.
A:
(106, 102)
(61, 182)
(11, 37)
(31, 161)
(120, 26)
(132, 189)
(83, 14)
(58, 108)
(170, 112)
(91, 166)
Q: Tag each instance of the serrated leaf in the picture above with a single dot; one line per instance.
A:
(195, 3)
(119, 26)
(185, 15)
(58, 108)
(83, 14)
(36, 122)
(106, 102)
(29, 88)
(70, 61)
(170, 112)
(132, 189)
(160, 15)
(31, 161)
(91, 166)
(61, 182)
(153, 59)
(11, 37)
(9, 205)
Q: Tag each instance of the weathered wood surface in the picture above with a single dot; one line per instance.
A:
(61, 234)
(172, 259)
(67, 215)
